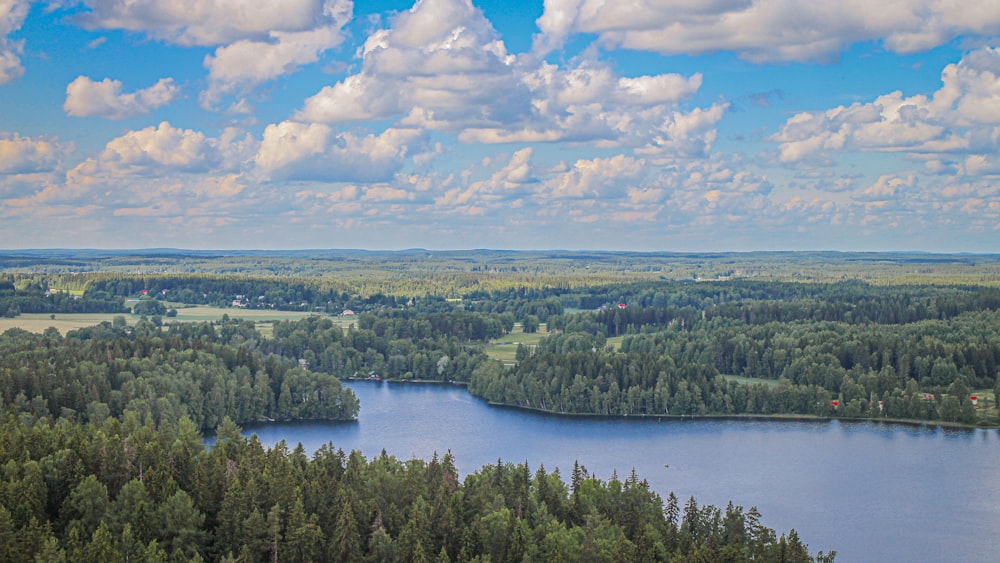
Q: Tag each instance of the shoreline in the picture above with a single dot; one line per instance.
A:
(791, 417)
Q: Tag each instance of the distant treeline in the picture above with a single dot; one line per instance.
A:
(37, 299)
(752, 301)
(458, 272)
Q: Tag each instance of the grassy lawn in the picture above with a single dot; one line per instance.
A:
(505, 347)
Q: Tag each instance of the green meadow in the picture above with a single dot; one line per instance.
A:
(65, 322)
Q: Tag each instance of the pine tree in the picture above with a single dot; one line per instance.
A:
(346, 541)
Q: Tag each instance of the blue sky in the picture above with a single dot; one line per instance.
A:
(575, 124)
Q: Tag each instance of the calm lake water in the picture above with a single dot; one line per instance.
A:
(873, 492)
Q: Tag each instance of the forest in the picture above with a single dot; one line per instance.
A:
(102, 449)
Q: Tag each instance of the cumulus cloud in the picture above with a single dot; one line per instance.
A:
(173, 176)
(165, 149)
(513, 180)
(599, 179)
(888, 187)
(961, 117)
(244, 64)
(614, 190)
(85, 98)
(315, 152)
(257, 42)
(765, 30)
(206, 22)
(590, 103)
(12, 14)
(981, 165)
(441, 66)
(25, 155)
(441, 57)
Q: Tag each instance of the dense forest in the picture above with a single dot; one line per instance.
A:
(923, 370)
(203, 373)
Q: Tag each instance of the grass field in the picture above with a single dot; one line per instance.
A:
(505, 347)
(263, 319)
(63, 322)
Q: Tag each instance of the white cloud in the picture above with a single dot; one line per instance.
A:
(598, 179)
(766, 30)
(85, 98)
(314, 152)
(164, 150)
(158, 148)
(24, 155)
(244, 64)
(170, 180)
(12, 14)
(513, 180)
(963, 116)
(441, 58)
(689, 134)
(207, 22)
(888, 187)
(257, 41)
(441, 66)
(617, 190)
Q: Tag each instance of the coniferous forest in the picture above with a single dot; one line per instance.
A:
(102, 435)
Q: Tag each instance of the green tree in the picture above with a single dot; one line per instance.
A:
(88, 503)
(181, 525)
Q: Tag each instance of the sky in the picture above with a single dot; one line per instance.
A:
(674, 125)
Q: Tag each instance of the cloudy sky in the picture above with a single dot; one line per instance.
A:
(684, 125)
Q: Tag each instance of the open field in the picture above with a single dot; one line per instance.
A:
(505, 347)
(65, 322)
(204, 313)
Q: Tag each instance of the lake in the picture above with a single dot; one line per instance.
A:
(873, 492)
